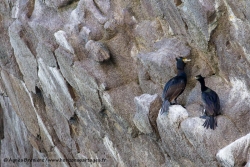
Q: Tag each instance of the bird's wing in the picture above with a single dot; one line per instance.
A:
(173, 88)
(166, 87)
(211, 102)
(217, 104)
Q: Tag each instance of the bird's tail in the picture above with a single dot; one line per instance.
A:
(165, 106)
(210, 122)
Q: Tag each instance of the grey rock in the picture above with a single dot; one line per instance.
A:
(172, 137)
(58, 3)
(79, 77)
(40, 156)
(47, 54)
(242, 14)
(21, 101)
(126, 94)
(103, 5)
(61, 38)
(199, 137)
(147, 111)
(239, 29)
(22, 9)
(91, 6)
(236, 153)
(15, 139)
(44, 23)
(196, 15)
(97, 50)
(145, 39)
(166, 10)
(24, 56)
(61, 98)
(180, 132)
(78, 13)
(112, 24)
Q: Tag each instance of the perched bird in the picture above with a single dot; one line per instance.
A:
(211, 103)
(175, 86)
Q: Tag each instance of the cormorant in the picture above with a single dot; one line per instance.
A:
(175, 86)
(211, 103)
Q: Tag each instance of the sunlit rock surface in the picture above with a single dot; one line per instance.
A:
(83, 80)
(147, 111)
(236, 153)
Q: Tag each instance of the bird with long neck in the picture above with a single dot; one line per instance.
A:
(175, 86)
(211, 103)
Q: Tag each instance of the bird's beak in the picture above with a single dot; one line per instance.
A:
(196, 77)
(185, 60)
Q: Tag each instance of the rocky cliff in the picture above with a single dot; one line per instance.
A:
(81, 80)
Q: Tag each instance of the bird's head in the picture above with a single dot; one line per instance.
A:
(185, 60)
(199, 77)
(181, 62)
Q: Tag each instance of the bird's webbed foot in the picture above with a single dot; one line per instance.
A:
(203, 116)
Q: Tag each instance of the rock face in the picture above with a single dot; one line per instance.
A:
(236, 153)
(83, 79)
(147, 111)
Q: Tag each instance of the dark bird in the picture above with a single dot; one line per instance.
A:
(175, 86)
(211, 104)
